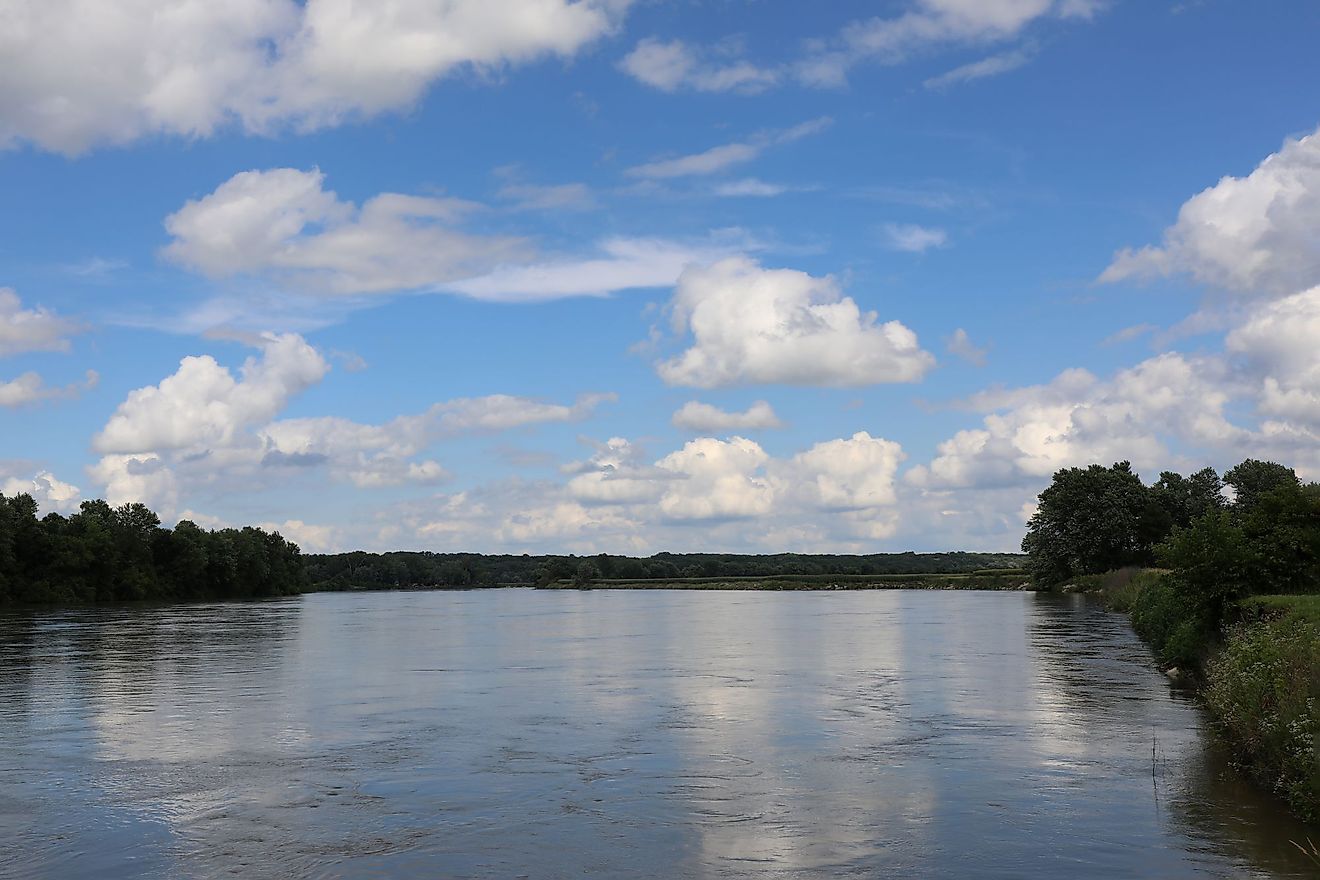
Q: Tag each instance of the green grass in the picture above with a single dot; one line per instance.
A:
(1307, 607)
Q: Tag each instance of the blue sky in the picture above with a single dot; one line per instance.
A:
(538, 275)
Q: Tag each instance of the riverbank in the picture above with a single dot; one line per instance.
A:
(1258, 674)
(1007, 580)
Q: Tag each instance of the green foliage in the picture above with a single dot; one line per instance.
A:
(1168, 622)
(1121, 594)
(1212, 562)
(1186, 499)
(105, 554)
(1282, 526)
(1090, 520)
(1252, 480)
(1264, 689)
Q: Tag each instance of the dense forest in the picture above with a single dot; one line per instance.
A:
(112, 554)
(377, 571)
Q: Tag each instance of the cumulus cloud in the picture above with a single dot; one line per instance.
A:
(726, 156)
(50, 492)
(1076, 419)
(283, 223)
(674, 65)
(751, 325)
(203, 403)
(37, 329)
(1278, 341)
(203, 428)
(79, 75)
(31, 388)
(929, 24)
(720, 479)
(702, 418)
(913, 239)
(1254, 235)
(855, 473)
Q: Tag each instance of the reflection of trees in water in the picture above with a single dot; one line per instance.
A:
(17, 657)
(1097, 675)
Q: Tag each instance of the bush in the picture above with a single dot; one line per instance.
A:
(1167, 621)
(1121, 593)
(1264, 689)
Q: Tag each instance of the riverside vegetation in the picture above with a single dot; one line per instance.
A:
(1226, 593)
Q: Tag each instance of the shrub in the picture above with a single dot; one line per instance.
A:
(1264, 689)
(1122, 594)
(1168, 622)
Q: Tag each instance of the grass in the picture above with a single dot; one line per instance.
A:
(1305, 607)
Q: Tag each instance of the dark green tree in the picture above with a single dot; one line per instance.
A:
(1252, 480)
(1088, 520)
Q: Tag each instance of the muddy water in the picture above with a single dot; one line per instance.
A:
(513, 733)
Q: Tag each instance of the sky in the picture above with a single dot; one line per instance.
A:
(611, 276)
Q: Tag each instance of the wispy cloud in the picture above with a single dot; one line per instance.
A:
(913, 239)
(726, 156)
(992, 66)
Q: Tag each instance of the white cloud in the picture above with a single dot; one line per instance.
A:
(79, 74)
(929, 24)
(50, 492)
(554, 197)
(1252, 235)
(31, 388)
(961, 345)
(1078, 419)
(284, 224)
(675, 65)
(751, 187)
(913, 239)
(202, 403)
(751, 325)
(702, 418)
(23, 330)
(856, 473)
(726, 156)
(202, 429)
(309, 538)
(1279, 342)
(720, 479)
(986, 67)
(623, 264)
(838, 495)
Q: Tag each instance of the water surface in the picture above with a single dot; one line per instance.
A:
(515, 733)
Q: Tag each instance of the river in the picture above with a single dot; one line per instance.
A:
(613, 734)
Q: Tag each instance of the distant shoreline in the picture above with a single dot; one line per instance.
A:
(996, 582)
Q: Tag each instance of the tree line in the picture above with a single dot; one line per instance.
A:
(115, 554)
(406, 569)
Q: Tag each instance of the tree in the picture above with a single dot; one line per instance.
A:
(1213, 564)
(1186, 499)
(1088, 520)
(1252, 480)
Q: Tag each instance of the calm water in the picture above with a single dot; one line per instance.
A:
(514, 733)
